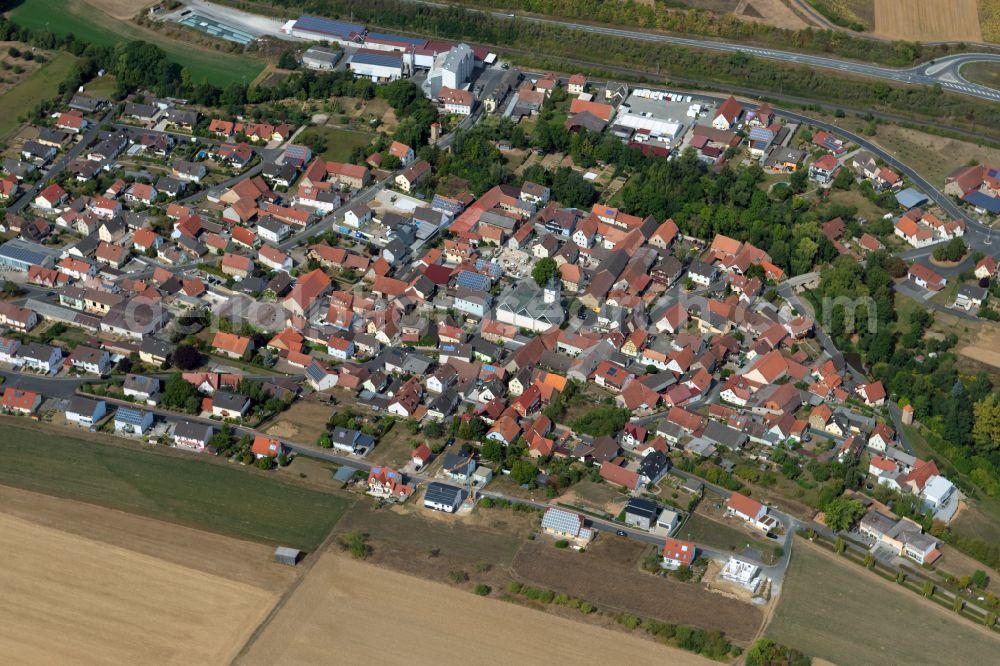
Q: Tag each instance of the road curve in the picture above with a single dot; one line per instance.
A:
(918, 75)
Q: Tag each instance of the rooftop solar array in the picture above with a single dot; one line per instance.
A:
(376, 59)
(328, 27)
(561, 521)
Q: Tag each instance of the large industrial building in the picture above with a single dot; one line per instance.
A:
(314, 28)
(655, 121)
(381, 66)
(451, 69)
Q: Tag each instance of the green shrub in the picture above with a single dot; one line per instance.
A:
(482, 590)
(562, 543)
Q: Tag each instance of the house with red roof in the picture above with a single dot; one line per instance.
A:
(267, 447)
(51, 197)
(677, 554)
(750, 511)
(388, 484)
(620, 476)
(924, 276)
(18, 401)
(236, 265)
(728, 114)
(231, 344)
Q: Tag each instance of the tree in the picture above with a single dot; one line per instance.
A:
(986, 427)
(603, 421)
(544, 270)
(288, 60)
(356, 543)
(178, 392)
(492, 451)
(841, 513)
(953, 250)
(186, 357)
(523, 472)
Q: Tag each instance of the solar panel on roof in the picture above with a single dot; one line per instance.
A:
(376, 59)
(326, 26)
(561, 521)
(384, 37)
(473, 280)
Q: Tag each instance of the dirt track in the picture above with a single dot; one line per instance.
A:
(357, 610)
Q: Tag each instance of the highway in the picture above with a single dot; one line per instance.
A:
(943, 71)
(940, 72)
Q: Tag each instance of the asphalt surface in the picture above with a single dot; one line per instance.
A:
(940, 72)
(47, 174)
(944, 71)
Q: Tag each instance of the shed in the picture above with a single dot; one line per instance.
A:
(911, 198)
(288, 556)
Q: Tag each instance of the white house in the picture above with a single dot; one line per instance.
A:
(41, 358)
(442, 497)
(749, 510)
(85, 411)
(133, 421)
(192, 435)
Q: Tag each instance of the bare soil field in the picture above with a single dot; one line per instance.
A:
(114, 605)
(928, 20)
(303, 422)
(772, 12)
(608, 576)
(836, 610)
(353, 609)
(492, 535)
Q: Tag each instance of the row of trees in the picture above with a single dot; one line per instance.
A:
(666, 15)
(554, 40)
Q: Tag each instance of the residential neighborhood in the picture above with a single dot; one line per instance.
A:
(664, 345)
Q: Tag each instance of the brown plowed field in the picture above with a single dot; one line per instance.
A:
(607, 575)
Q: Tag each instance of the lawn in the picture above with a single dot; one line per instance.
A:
(91, 25)
(844, 614)
(176, 488)
(40, 84)
(339, 142)
(711, 533)
(985, 73)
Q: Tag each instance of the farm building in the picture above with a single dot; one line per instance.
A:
(287, 556)
(321, 58)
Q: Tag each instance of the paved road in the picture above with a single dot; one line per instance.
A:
(941, 72)
(74, 152)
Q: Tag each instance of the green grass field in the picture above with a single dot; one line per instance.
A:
(846, 615)
(41, 84)
(181, 489)
(714, 534)
(91, 25)
(339, 142)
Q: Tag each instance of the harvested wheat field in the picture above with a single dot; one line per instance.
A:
(120, 9)
(121, 604)
(354, 610)
(928, 20)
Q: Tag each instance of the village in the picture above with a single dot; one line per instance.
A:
(179, 276)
